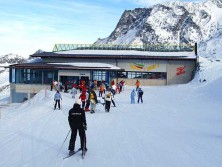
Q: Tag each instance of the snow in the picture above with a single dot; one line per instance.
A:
(9, 56)
(4, 78)
(101, 65)
(177, 125)
(128, 52)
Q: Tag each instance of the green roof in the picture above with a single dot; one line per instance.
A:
(144, 47)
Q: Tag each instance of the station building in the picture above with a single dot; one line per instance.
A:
(151, 65)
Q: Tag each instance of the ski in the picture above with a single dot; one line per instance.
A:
(73, 153)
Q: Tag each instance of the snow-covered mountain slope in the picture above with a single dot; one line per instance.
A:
(177, 125)
(171, 23)
(5, 61)
(11, 59)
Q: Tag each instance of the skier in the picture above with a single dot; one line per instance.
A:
(51, 85)
(91, 85)
(66, 88)
(87, 101)
(112, 94)
(137, 84)
(112, 91)
(123, 85)
(101, 90)
(133, 94)
(108, 99)
(112, 83)
(93, 101)
(95, 84)
(114, 88)
(73, 92)
(140, 95)
(57, 99)
(83, 99)
(117, 88)
(77, 121)
(60, 86)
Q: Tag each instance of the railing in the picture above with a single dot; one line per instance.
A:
(144, 47)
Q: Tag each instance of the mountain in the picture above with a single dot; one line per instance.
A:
(39, 51)
(4, 72)
(11, 59)
(171, 23)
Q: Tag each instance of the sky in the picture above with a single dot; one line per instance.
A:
(29, 25)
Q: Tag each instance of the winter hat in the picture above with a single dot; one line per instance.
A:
(78, 101)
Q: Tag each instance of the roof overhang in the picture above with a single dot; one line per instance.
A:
(67, 66)
(118, 54)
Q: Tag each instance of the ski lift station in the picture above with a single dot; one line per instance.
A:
(152, 65)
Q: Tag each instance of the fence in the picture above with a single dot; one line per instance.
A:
(144, 47)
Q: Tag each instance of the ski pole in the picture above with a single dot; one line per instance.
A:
(64, 142)
(84, 146)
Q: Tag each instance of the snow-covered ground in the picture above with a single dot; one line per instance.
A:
(176, 126)
(4, 80)
(4, 86)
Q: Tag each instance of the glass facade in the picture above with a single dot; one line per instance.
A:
(40, 76)
(33, 76)
(144, 75)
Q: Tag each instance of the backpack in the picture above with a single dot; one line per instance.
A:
(92, 96)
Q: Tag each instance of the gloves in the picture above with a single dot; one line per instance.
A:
(85, 127)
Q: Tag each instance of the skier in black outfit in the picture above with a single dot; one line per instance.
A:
(77, 121)
(140, 95)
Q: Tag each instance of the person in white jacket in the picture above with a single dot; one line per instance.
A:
(74, 92)
(108, 99)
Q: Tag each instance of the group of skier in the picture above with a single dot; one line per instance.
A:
(138, 92)
(77, 118)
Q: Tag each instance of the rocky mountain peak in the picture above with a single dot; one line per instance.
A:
(169, 23)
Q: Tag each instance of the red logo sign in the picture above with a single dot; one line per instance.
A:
(180, 70)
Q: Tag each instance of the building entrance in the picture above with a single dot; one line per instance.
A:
(70, 80)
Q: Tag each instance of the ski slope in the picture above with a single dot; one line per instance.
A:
(178, 125)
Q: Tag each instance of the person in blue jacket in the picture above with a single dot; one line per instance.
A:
(132, 96)
(57, 99)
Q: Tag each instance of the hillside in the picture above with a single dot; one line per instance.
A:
(5, 61)
(176, 125)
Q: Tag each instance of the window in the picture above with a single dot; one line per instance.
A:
(134, 75)
(13, 76)
(99, 75)
(144, 75)
(121, 75)
(155, 75)
(36, 76)
(48, 76)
